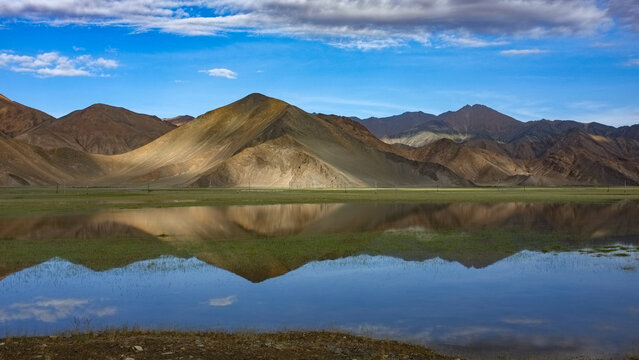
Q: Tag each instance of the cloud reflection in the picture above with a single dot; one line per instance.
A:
(52, 310)
(522, 321)
(225, 301)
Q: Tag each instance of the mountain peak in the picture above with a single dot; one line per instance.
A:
(101, 106)
(256, 96)
(2, 97)
(476, 107)
(257, 99)
(482, 121)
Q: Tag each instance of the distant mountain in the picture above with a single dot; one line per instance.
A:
(264, 142)
(98, 129)
(630, 132)
(419, 129)
(481, 166)
(479, 122)
(580, 158)
(393, 125)
(179, 120)
(16, 118)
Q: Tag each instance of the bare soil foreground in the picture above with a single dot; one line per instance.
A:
(138, 345)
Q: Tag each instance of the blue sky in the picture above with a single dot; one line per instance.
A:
(531, 59)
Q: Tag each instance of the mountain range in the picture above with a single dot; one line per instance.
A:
(264, 142)
(479, 122)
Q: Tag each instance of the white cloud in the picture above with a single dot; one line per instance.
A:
(221, 302)
(52, 64)
(522, 52)
(365, 45)
(52, 310)
(78, 48)
(632, 62)
(104, 63)
(225, 73)
(467, 40)
(354, 24)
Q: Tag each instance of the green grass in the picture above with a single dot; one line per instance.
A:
(24, 201)
(98, 254)
(260, 258)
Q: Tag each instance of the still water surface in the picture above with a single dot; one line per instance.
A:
(479, 280)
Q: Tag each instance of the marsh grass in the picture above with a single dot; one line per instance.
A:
(260, 258)
(97, 254)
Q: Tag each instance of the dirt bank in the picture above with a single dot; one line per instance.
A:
(138, 345)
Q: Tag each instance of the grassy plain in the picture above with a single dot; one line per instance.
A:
(36, 201)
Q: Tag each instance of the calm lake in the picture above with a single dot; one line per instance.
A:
(476, 280)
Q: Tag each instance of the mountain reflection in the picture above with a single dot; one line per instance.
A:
(261, 242)
(232, 222)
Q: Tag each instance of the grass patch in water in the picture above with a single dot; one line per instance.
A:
(260, 258)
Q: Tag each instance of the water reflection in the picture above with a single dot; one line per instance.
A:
(531, 304)
(52, 310)
(209, 223)
(262, 242)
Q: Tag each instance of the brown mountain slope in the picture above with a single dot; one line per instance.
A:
(98, 129)
(16, 118)
(23, 164)
(469, 122)
(329, 155)
(580, 158)
(571, 158)
(179, 120)
(393, 125)
(261, 141)
(362, 134)
(481, 166)
(481, 121)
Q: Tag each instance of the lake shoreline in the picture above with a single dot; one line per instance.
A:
(140, 345)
